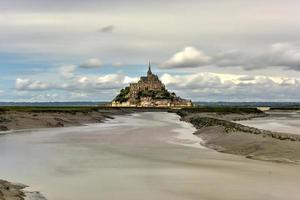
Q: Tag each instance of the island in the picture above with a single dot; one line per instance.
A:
(149, 91)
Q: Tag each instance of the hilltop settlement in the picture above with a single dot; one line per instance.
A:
(149, 91)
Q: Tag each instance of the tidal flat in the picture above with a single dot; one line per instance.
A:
(147, 155)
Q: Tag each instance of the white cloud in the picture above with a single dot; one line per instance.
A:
(280, 55)
(92, 63)
(231, 87)
(117, 64)
(197, 86)
(128, 80)
(71, 81)
(110, 78)
(26, 84)
(67, 71)
(188, 57)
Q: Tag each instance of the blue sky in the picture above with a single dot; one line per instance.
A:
(205, 50)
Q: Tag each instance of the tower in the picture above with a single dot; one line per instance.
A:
(149, 69)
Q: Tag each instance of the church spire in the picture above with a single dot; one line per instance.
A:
(149, 69)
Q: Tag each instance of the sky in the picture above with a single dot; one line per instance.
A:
(204, 50)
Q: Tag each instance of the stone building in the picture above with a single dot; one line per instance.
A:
(149, 91)
(149, 82)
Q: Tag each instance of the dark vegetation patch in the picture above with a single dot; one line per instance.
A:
(82, 109)
(67, 109)
(2, 110)
(164, 94)
(285, 108)
(123, 96)
(219, 110)
(75, 109)
(222, 110)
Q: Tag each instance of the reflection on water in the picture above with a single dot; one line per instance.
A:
(279, 121)
(133, 158)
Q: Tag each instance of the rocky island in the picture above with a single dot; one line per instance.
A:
(149, 91)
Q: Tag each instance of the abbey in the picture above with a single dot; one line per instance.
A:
(149, 91)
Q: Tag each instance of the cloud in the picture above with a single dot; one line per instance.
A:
(230, 87)
(128, 80)
(71, 81)
(91, 63)
(247, 78)
(188, 57)
(67, 71)
(117, 64)
(198, 86)
(107, 29)
(26, 84)
(285, 54)
(280, 55)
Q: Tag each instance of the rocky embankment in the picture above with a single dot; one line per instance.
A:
(220, 132)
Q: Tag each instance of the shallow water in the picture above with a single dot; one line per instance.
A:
(279, 121)
(141, 156)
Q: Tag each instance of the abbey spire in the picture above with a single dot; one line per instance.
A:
(149, 69)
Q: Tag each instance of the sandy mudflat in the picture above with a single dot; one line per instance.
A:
(134, 157)
(287, 121)
(222, 133)
(16, 120)
(11, 191)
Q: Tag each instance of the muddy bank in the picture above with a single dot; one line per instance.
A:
(14, 191)
(220, 132)
(28, 119)
(15, 118)
(11, 191)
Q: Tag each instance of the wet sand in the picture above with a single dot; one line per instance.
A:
(279, 121)
(32, 119)
(141, 156)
